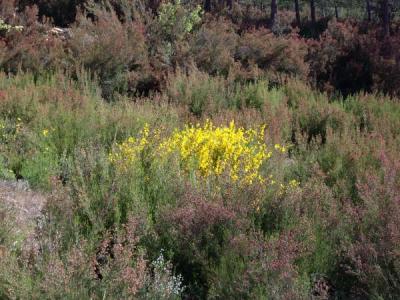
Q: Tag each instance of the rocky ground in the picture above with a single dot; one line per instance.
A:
(22, 207)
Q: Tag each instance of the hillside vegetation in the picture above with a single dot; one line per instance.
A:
(181, 153)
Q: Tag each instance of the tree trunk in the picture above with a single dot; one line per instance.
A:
(274, 11)
(312, 9)
(207, 5)
(385, 17)
(369, 11)
(154, 5)
(297, 8)
(229, 3)
(336, 12)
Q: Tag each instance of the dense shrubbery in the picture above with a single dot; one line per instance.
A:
(185, 155)
(115, 52)
(30, 48)
(133, 231)
(132, 51)
(274, 56)
(348, 60)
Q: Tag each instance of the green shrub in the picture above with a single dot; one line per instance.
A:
(176, 20)
(275, 57)
(204, 94)
(113, 51)
(213, 47)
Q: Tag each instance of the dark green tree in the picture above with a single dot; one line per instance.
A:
(274, 11)
(297, 9)
(312, 11)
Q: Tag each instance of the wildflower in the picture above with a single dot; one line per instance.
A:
(126, 153)
(213, 151)
(280, 148)
(18, 125)
(45, 132)
(293, 183)
(206, 151)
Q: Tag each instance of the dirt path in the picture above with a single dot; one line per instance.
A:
(25, 206)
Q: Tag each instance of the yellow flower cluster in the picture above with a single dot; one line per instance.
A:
(206, 150)
(18, 125)
(127, 152)
(211, 150)
(9, 130)
(3, 134)
(280, 148)
(293, 184)
(45, 132)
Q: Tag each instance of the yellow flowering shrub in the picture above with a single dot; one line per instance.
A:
(212, 151)
(127, 152)
(208, 151)
(45, 132)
